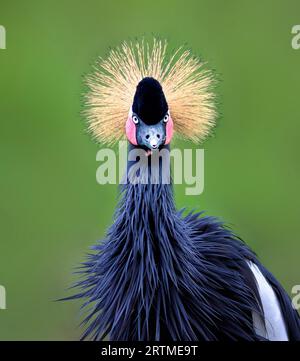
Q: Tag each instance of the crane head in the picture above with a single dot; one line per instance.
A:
(149, 124)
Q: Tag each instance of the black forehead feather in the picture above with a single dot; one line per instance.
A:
(149, 101)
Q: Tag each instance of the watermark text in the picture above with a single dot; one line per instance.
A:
(296, 38)
(140, 168)
(296, 297)
(2, 298)
(2, 37)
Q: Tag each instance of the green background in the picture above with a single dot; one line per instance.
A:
(52, 209)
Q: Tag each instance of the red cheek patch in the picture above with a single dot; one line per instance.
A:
(169, 130)
(131, 131)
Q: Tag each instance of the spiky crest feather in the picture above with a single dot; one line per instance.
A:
(186, 84)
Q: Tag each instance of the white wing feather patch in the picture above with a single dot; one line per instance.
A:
(274, 329)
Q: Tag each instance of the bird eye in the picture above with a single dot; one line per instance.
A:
(166, 118)
(135, 119)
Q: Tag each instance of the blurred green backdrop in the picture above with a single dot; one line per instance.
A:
(52, 209)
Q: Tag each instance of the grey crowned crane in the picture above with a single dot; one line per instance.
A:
(160, 274)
